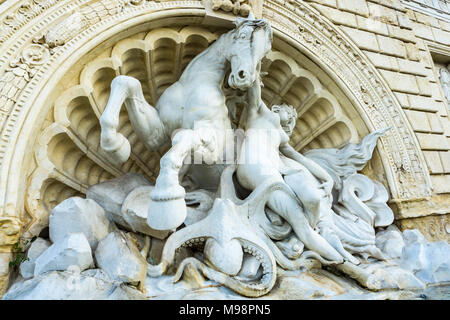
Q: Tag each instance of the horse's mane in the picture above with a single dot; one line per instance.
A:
(259, 23)
(239, 22)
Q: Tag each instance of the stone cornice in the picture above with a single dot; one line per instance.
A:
(425, 8)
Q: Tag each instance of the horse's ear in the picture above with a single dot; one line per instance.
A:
(239, 21)
(269, 37)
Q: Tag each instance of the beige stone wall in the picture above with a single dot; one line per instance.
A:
(397, 41)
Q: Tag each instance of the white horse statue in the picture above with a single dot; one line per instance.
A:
(191, 113)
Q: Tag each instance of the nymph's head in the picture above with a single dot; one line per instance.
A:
(288, 117)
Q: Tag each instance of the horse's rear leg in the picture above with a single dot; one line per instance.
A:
(111, 141)
(144, 119)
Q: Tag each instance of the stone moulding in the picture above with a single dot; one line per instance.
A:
(18, 17)
(293, 21)
(237, 7)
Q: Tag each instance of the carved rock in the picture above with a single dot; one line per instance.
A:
(111, 194)
(390, 242)
(429, 261)
(36, 249)
(118, 290)
(135, 209)
(98, 274)
(379, 276)
(72, 250)
(437, 254)
(413, 236)
(79, 215)
(119, 257)
(71, 286)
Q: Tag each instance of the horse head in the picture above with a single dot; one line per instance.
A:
(251, 41)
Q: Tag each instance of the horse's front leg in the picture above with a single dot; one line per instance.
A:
(167, 208)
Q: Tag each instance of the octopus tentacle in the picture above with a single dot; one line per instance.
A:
(181, 238)
(249, 289)
(296, 264)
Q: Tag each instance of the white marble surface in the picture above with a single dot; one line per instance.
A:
(279, 224)
(78, 215)
(71, 251)
(120, 258)
(34, 251)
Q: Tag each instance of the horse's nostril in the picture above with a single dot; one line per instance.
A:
(241, 74)
(231, 79)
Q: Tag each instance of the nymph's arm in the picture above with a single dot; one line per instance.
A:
(320, 173)
(255, 102)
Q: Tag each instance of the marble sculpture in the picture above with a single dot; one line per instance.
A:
(271, 208)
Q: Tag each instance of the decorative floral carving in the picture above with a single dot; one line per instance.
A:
(9, 230)
(26, 12)
(18, 75)
(35, 55)
(433, 227)
(237, 7)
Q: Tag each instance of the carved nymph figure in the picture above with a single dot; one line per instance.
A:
(267, 142)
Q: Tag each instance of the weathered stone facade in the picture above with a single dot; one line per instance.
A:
(349, 67)
(402, 42)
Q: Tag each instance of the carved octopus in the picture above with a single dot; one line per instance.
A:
(226, 235)
(236, 226)
(231, 229)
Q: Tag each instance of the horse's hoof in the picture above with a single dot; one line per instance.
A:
(166, 214)
(120, 151)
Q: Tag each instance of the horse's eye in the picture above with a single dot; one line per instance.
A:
(242, 36)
